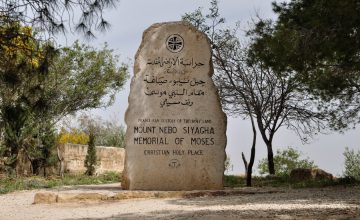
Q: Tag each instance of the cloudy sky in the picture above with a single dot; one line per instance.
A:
(132, 17)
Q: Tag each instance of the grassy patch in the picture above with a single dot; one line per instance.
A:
(284, 181)
(257, 181)
(10, 184)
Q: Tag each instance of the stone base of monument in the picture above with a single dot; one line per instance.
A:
(89, 197)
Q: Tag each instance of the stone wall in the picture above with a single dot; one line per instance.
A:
(109, 158)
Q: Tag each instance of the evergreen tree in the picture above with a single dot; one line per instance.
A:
(90, 160)
(60, 15)
(318, 41)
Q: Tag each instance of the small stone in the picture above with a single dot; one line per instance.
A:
(45, 197)
(306, 174)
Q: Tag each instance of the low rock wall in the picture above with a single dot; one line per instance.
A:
(108, 158)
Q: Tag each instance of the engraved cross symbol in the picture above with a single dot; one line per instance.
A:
(174, 163)
(174, 43)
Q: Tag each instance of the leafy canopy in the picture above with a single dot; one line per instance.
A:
(319, 41)
(108, 132)
(55, 16)
(83, 77)
(23, 68)
(40, 84)
(252, 90)
(313, 37)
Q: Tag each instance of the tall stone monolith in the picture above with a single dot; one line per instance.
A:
(176, 129)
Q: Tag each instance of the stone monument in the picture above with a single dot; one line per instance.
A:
(176, 129)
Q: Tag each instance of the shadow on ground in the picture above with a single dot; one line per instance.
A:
(240, 214)
(317, 203)
(115, 187)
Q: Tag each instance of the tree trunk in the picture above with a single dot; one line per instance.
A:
(245, 162)
(252, 155)
(14, 154)
(62, 170)
(268, 142)
(251, 163)
(61, 161)
(271, 165)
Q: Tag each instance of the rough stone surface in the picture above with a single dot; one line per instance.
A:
(176, 129)
(302, 174)
(45, 197)
(80, 197)
(90, 197)
(109, 158)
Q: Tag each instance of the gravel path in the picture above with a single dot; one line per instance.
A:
(318, 203)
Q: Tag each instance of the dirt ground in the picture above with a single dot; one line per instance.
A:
(285, 203)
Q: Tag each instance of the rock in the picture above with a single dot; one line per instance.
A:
(45, 197)
(176, 129)
(133, 195)
(80, 197)
(303, 174)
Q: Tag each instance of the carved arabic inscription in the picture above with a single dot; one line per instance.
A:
(180, 85)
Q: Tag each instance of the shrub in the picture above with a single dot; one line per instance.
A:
(352, 163)
(108, 133)
(73, 136)
(286, 160)
(227, 164)
(111, 134)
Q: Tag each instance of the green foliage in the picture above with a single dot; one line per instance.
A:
(352, 164)
(319, 41)
(111, 135)
(23, 68)
(234, 181)
(42, 149)
(110, 177)
(90, 159)
(54, 16)
(10, 184)
(286, 160)
(319, 37)
(41, 84)
(283, 181)
(248, 88)
(83, 77)
(73, 136)
(227, 164)
(108, 132)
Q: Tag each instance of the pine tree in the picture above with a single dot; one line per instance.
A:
(90, 159)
